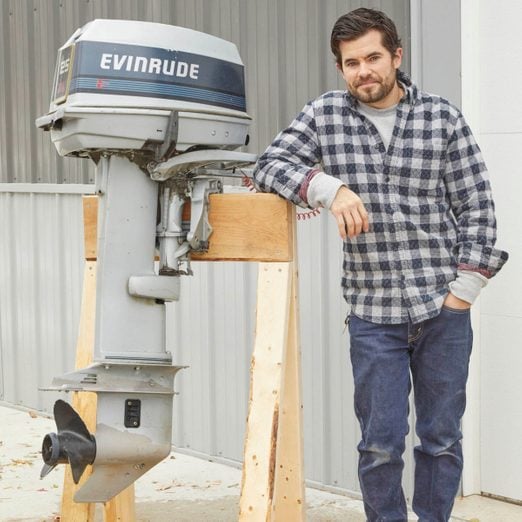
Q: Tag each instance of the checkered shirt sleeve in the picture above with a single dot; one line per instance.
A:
(469, 191)
(287, 166)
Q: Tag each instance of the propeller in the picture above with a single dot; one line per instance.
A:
(72, 444)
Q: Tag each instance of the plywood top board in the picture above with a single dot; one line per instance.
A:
(245, 227)
(249, 227)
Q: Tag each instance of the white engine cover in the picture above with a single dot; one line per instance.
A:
(117, 82)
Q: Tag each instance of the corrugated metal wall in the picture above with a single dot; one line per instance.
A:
(285, 47)
(41, 268)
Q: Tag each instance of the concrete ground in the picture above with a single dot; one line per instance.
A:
(181, 488)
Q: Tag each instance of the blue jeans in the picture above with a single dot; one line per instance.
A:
(436, 352)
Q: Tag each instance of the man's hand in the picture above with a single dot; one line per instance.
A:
(349, 213)
(452, 301)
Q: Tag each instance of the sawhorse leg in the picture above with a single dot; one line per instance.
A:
(273, 481)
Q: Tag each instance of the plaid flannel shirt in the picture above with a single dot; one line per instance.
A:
(428, 198)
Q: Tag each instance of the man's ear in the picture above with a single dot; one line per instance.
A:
(397, 57)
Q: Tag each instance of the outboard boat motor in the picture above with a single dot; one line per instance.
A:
(161, 111)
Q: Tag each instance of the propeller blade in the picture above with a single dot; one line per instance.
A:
(67, 419)
(46, 470)
(77, 470)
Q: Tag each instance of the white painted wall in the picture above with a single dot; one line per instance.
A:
(492, 103)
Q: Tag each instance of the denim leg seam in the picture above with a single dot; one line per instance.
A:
(431, 489)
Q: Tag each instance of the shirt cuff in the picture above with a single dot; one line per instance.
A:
(468, 285)
(322, 190)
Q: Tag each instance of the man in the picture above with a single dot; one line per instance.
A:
(404, 179)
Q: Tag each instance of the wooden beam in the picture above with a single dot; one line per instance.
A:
(289, 491)
(246, 227)
(272, 488)
(273, 299)
(90, 226)
(121, 508)
(249, 227)
(83, 402)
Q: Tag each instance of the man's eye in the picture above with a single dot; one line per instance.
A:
(373, 59)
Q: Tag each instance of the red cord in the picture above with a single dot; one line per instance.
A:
(247, 182)
(309, 214)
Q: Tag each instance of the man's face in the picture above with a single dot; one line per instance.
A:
(370, 70)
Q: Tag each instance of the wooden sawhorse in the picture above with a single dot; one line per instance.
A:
(246, 227)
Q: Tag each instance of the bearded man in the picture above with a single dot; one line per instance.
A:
(404, 179)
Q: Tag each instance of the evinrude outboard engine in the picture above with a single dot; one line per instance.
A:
(160, 110)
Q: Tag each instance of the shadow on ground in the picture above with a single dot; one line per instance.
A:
(225, 510)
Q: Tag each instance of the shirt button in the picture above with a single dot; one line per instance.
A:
(387, 179)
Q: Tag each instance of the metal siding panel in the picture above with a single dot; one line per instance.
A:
(32, 32)
(5, 96)
(441, 57)
(7, 92)
(331, 429)
(212, 332)
(40, 278)
(314, 351)
(192, 350)
(233, 343)
(17, 50)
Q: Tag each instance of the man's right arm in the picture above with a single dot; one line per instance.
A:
(288, 165)
(289, 168)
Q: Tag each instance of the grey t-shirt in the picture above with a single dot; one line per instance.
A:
(383, 119)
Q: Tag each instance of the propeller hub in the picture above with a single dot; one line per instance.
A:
(52, 452)
(72, 444)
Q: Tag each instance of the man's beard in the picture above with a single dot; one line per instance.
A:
(375, 95)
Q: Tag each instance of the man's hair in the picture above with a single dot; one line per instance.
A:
(357, 23)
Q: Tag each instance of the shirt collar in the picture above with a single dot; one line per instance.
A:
(409, 87)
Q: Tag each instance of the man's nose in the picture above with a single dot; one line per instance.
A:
(364, 70)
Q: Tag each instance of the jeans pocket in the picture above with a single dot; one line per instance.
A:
(451, 310)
